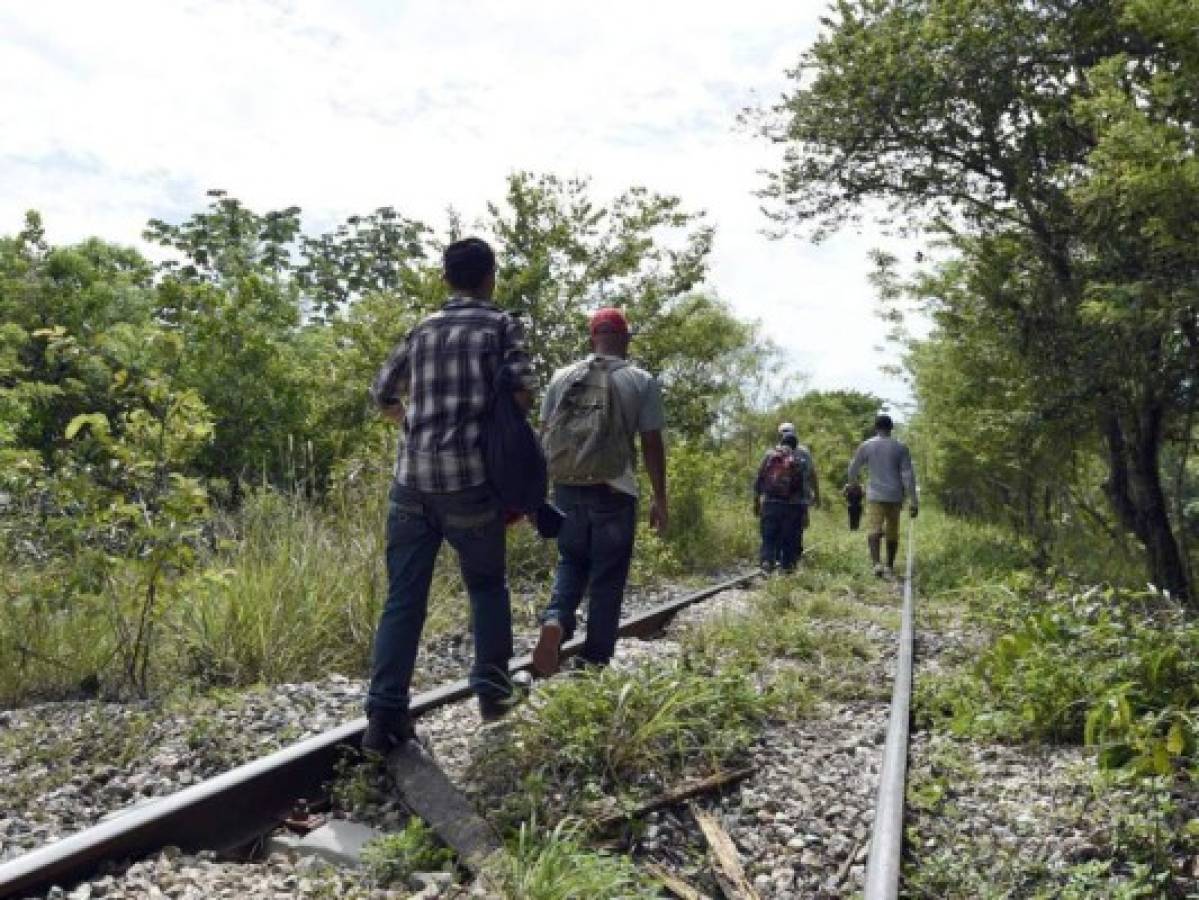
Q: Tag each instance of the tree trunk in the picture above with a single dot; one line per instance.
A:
(1134, 488)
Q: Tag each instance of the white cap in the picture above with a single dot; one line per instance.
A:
(786, 428)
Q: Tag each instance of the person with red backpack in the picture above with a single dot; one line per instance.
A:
(781, 491)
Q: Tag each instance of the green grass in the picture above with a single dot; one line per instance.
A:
(557, 865)
(607, 736)
(288, 589)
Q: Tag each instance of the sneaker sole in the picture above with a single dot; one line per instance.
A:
(546, 653)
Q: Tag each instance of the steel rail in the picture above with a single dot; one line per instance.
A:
(886, 838)
(237, 807)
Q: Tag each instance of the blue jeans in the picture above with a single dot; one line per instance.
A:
(417, 523)
(595, 549)
(782, 534)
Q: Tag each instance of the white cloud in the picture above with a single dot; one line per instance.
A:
(120, 111)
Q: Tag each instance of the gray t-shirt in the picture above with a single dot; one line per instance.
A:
(640, 397)
(891, 472)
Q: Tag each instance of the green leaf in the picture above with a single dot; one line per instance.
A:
(97, 421)
(1176, 738)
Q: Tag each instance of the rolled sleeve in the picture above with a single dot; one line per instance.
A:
(391, 383)
(516, 356)
(652, 414)
(908, 474)
(855, 467)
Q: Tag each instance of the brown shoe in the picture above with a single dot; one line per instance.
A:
(545, 654)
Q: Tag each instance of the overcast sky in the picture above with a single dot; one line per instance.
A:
(118, 111)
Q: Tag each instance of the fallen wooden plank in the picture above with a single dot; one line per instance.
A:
(675, 796)
(432, 796)
(674, 884)
(730, 875)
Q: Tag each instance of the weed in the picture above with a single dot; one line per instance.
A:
(389, 860)
(49, 755)
(357, 785)
(608, 732)
(1116, 669)
(555, 865)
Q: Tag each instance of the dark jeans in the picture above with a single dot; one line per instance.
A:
(782, 534)
(417, 523)
(595, 548)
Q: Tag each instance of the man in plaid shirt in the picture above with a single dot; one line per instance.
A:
(437, 383)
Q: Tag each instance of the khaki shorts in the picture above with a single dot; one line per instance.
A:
(880, 514)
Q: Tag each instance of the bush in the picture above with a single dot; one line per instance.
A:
(711, 521)
(1115, 669)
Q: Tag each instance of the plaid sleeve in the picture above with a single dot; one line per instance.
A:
(391, 384)
(514, 354)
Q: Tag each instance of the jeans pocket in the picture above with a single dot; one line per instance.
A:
(614, 529)
(474, 512)
(406, 522)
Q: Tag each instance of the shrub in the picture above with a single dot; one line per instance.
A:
(392, 858)
(1116, 669)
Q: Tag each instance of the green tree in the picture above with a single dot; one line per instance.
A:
(263, 310)
(562, 255)
(48, 294)
(1003, 127)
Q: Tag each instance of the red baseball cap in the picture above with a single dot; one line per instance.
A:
(609, 319)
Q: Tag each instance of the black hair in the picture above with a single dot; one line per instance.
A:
(883, 422)
(468, 262)
(789, 440)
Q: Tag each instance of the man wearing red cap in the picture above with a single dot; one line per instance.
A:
(592, 412)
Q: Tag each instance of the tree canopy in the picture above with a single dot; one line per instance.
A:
(1051, 148)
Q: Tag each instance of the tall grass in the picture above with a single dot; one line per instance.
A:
(294, 592)
(288, 588)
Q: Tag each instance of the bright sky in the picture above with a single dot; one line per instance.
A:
(118, 111)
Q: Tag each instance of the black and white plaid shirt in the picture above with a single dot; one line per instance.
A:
(442, 373)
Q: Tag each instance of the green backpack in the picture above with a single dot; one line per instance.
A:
(587, 440)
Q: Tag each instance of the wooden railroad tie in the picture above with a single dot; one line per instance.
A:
(429, 793)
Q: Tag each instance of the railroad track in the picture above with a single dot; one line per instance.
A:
(236, 809)
(886, 838)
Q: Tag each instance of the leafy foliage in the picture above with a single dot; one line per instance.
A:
(389, 860)
(185, 447)
(1113, 669)
(1051, 148)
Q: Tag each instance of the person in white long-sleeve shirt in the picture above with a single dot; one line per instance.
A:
(891, 479)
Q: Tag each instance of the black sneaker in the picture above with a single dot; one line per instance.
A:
(385, 731)
(492, 709)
